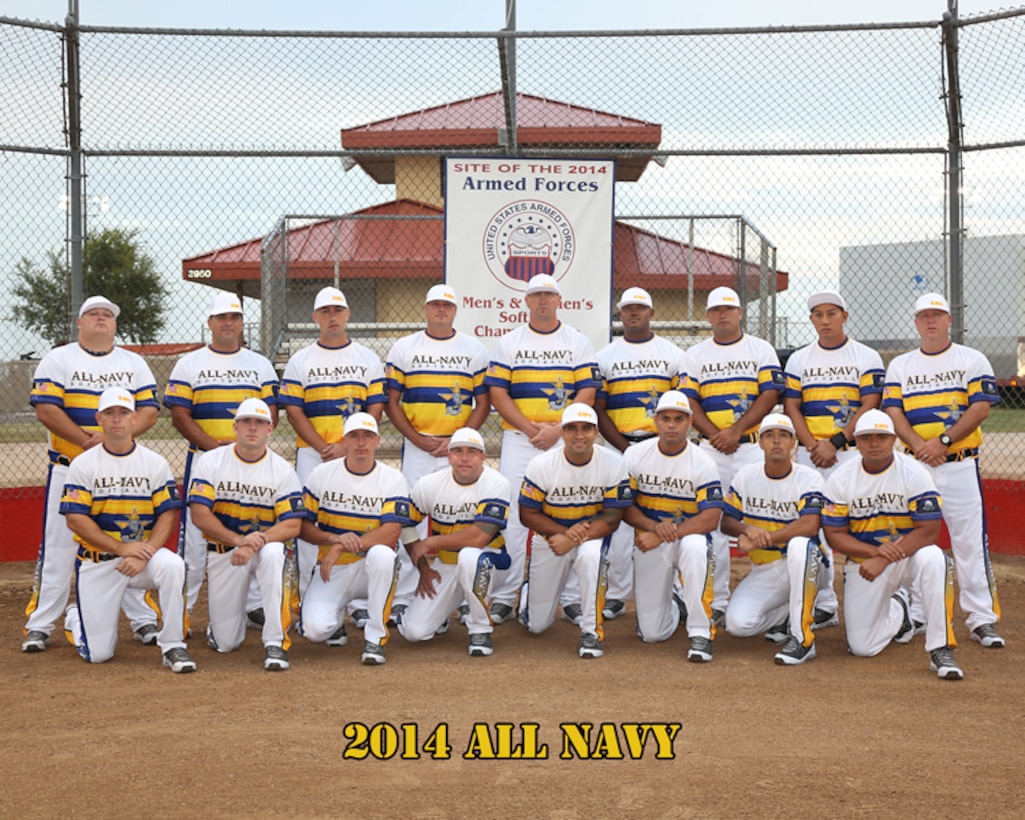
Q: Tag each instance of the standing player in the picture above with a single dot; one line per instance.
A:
(536, 371)
(774, 511)
(572, 499)
(66, 390)
(676, 507)
(937, 397)
(467, 506)
(734, 380)
(324, 384)
(247, 502)
(883, 512)
(435, 387)
(830, 383)
(356, 508)
(203, 391)
(636, 369)
(121, 503)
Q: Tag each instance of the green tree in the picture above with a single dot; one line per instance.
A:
(113, 265)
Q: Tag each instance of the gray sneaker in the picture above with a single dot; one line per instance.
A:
(907, 627)
(256, 619)
(822, 618)
(941, 661)
(275, 659)
(680, 605)
(613, 608)
(35, 641)
(574, 613)
(480, 644)
(464, 613)
(395, 618)
(445, 625)
(794, 653)
(339, 637)
(179, 661)
(719, 618)
(700, 650)
(987, 635)
(589, 646)
(373, 654)
(500, 613)
(778, 633)
(147, 634)
(360, 618)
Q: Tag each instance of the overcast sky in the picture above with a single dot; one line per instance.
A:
(486, 15)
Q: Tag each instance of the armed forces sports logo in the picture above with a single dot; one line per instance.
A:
(526, 238)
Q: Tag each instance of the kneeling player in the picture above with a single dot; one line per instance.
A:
(677, 506)
(121, 503)
(773, 510)
(468, 507)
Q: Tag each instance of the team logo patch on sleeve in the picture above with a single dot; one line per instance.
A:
(402, 509)
(815, 502)
(625, 493)
(879, 379)
(989, 387)
(296, 505)
(493, 511)
(715, 493)
(929, 505)
(172, 491)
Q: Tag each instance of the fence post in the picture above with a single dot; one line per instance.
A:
(75, 204)
(954, 174)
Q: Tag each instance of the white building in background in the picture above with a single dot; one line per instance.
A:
(881, 283)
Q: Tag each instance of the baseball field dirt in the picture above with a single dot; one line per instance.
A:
(739, 737)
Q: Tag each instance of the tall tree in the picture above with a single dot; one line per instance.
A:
(113, 265)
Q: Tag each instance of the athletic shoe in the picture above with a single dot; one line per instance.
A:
(500, 613)
(613, 608)
(339, 637)
(778, 633)
(210, 641)
(700, 650)
(360, 618)
(574, 613)
(589, 646)
(395, 618)
(179, 661)
(464, 613)
(719, 618)
(480, 644)
(907, 627)
(373, 654)
(822, 618)
(988, 636)
(941, 661)
(794, 653)
(147, 634)
(441, 630)
(680, 605)
(275, 659)
(35, 641)
(256, 619)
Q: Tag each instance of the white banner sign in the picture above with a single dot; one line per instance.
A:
(509, 219)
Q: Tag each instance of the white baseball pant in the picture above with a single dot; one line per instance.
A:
(547, 574)
(689, 559)
(227, 586)
(469, 580)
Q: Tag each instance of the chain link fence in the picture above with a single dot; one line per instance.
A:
(779, 162)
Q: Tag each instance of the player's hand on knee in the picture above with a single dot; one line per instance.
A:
(131, 566)
(872, 568)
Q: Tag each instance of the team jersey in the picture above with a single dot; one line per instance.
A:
(768, 503)
(246, 496)
(880, 507)
(832, 383)
(728, 378)
(438, 379)
(211, 386)
(72, 378)
(569, 494)
(672, 488)
(340, 501)
(451, 506)
(934, 389)
(330, 384)
(123, 494)
(543, 371)
(634, 376)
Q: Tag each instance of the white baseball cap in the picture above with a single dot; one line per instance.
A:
(441, 293)
(359, 421)
(874, 421)
(578, 412)
(826, 297)
(542, 282)
(98, 302)
(673, 400)
(224, 302)
(723, 296)
(635, 296)
(253, 408)
(329, 296)
(931, 301)
(116, 397)
(778, 421)
(466, 437)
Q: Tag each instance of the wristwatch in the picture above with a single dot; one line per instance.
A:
(945, 440)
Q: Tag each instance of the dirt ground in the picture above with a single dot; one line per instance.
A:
(839, 736)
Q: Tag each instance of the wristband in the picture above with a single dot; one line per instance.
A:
(838, 440)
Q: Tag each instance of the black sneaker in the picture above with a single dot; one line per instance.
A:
(360, 618)
(395, 617)
(574, 613)
(700, 650)
(778, 633)
(464, 613)
(147, 634)
(500, 613)
(794, 653)
(823, 618)
(907, 627)
(373, 654)
(719, 618)
(941, 661)
(255, 619)
(613, 608)
(680, 605)
(275, 659)
(35, 641)
(480, 644)
(987, 635)
(179, 661)
(339, 637)
(590, 646)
